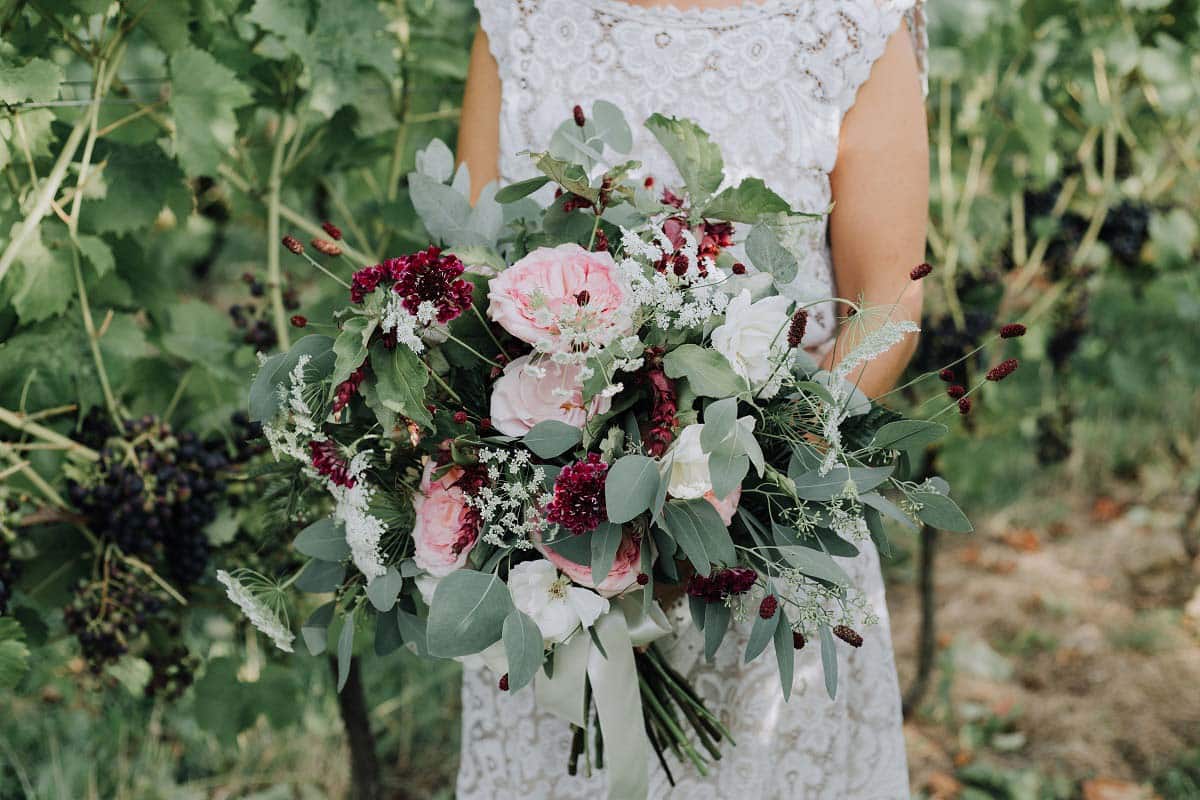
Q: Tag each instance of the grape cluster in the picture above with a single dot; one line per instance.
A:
(109, 612)
(1125, 229)
(255, 321)
(152, 493)
(10, 570)
(172, 671)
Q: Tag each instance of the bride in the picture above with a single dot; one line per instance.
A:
(823, 99)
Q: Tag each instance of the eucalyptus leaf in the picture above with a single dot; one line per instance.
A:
(324, 539)
(698, 530)
(908, 434)
(630, 487)
(938, 511)
(345, 651)
(716, 623)
(467, 613)
(883, 505)
(829, 660)
(383, 590)
(768, 255)
(523, 648)
(611, 127)
(606, 538)
(815, 564)
(761, 633)
(315, 629)
(707, 371)
(387, 633)
(515, 191)
(321, 577)
(815, 486)
(785, 654)
(551, 438)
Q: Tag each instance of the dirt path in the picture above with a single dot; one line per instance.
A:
(1068, 648)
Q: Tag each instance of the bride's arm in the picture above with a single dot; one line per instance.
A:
(479, 130)
(881, 195)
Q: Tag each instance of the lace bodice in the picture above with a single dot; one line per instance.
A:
(769, 81)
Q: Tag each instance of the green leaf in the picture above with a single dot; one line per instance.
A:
(698, 530)
(829, 660)
(271, 382)
(14, 654)
(37, 80)
(515, 191)
(140, 180)
(400, 379)
(696, 157)
(444, 212)
(630, 487)
(321, 577)
(97, 253)
(716, 623)
(387, 633)
(347, 36)
(760, 634)
(523, 648)
(747, 202)
(436, 161)
(785, 654)
(412, 629)
(878, 535)
(204, 94)
(939, 511)
(286, 19)
(881, 504)
(324, 539)
(815, 486)
(44, 280)
(606, 538)
(350, 348)
(908, 434)
(570, 176)
(467, 613)
(610, 126)
(727, 468)
(315, 630)
(768, 255)
(198, 332)
(383, 590)
(552, 438)
(814, 563)
(707, 371)
(345, 650)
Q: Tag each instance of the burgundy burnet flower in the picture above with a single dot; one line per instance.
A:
(956, 391)
(460, 417)
(848, 635)
(293, 244)
(797, 327)
(768, 606)
(947, 375)
(1002, 370)
(643, 579)
(299, 321)
(664, 404)
(964, 405)
(578, 503)
(334, 231)
(326, 247)
(503, 683)
(721, 583)
(1012, 330)
(328, 462)
(577, 114)
(738, 268)
(798, 640)
(601, 243)
(348, 388)
(920, 271)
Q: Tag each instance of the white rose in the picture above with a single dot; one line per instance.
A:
(687, 466)
(753, 338)
(555, 605)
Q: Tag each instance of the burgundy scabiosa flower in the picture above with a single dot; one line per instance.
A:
(1002, 370)
(429, 276)
(578, 503)
(920, 271)
(365, 281)
(1012, 330)
(328, 462)
(768, 606)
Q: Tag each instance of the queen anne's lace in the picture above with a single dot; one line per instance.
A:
(770, 82)
(352, 509)
(260, 615)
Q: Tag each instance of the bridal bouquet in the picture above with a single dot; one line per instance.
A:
(521, 432)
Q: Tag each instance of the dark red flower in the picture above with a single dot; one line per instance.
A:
(798, 640)
(293, 244)
(964, 405)
(428, 276)
(796, 328)
(503, 684)
(327, 461)
(956, 391)
(583, 298)
(768, 606)
(577, 113)
(1002, 370)
(664, 405)
(365, 281)
(721, 583)
(649, 182)
(601, 243)
(848, 635)
(460, 417)
(299, 321)
(334, 231)
(348, 388)
(578, 503)
(1012, 330)
(738, 268)
(643, 579)
(947, 375)
(920, 271)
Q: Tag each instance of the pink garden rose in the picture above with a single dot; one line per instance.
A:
(446, 528)
(726, 507)
(622, 577)
(560, 298)
(522, 399)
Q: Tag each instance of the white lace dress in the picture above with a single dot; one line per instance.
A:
(770, 82)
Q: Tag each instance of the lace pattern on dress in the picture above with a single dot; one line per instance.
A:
(770, 82)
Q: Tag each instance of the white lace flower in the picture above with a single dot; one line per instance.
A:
(398, 321)
(557, 606)
(363, 531)
(261, 616)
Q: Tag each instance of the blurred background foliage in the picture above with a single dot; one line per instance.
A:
(153, 152)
